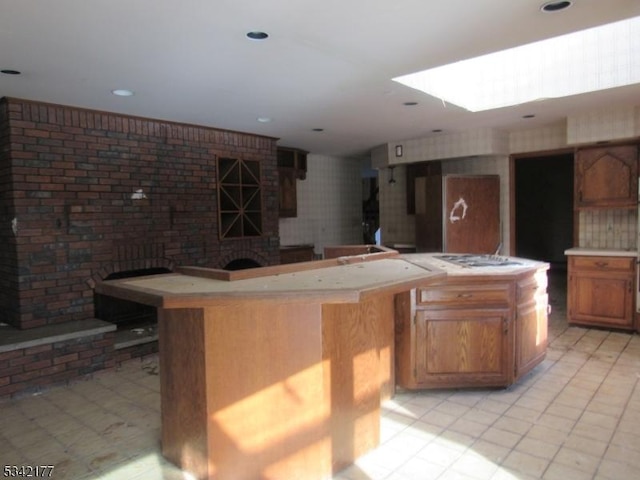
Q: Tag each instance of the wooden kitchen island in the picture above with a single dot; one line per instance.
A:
(278, 372)
(274, 372)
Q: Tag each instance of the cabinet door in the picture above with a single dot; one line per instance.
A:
(463, 348)
(607, 177)
(531, 333)
(428, 208)
(472, 214)
(601, 299)
(288, 199)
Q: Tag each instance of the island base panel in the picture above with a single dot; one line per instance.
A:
(291, 391)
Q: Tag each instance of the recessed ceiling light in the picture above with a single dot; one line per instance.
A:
(10, 72)
(122, 92)
(318, 129)
(555, 6)
(410, 104)
(436, 130)
(263, 119)
(257, 35)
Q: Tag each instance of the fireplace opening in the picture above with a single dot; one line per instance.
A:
(137, 324)
(241, 264)
(126, 314)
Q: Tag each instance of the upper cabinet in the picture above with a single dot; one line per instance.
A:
(292, 166)
(606, 177)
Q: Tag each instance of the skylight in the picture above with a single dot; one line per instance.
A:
(587, 61)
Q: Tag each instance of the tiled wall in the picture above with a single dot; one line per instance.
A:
(611, 229)
(551, 137)
(602, 125)
(329, 205)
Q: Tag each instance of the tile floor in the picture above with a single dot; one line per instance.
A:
(576, 416)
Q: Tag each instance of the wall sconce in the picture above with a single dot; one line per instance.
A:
(398, 150)
(392, 180)
(138, 195)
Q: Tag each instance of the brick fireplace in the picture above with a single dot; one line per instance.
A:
(87, 194)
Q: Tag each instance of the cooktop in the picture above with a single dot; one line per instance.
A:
(475, 260)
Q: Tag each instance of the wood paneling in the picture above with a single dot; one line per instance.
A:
(274, 390)
(184, 417)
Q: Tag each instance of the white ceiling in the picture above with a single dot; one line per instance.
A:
(327, 63)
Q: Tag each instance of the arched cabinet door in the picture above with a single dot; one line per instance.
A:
(606, 177)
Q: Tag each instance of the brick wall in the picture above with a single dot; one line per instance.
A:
(27, 370)
(67, 176)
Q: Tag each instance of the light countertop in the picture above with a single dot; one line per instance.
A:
(431, 260)
(602, 252)
(344, 279)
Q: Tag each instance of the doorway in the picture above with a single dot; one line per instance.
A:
(544, 208)
(544, 221)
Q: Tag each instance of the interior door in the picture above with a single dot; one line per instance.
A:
(471, 214)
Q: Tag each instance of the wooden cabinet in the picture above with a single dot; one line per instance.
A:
(455, 334)
(292, 166)
(431, 168)
(462, 347)
(532, 309)
(458, 213)
(296, 253)
(287, 193)
(471, 333)
(601, 291)
(606, 177)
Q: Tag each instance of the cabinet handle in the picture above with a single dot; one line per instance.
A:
(602, 264)
(465, 295)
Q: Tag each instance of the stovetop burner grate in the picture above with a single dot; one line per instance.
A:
(474, 260)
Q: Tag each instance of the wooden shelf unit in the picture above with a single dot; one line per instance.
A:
(239, 198)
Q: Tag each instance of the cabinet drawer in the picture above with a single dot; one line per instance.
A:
(624, 264)
(464, 295)
(528, 288)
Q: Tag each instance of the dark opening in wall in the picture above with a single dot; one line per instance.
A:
(125, 312)
(241, 264)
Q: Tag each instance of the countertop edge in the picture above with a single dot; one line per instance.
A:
(600, 252)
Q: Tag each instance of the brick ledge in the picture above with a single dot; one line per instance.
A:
(12, 338)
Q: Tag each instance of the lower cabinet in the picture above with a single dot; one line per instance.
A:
(461, 347)
(297, 253)
(466, 333)
(601, 291)
(532, 313)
